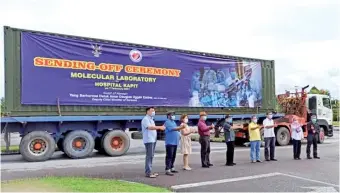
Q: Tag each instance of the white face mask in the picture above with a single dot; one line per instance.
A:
(173, 117)
(255, 120)
(270, 116)
(204, 118)
(185, 120)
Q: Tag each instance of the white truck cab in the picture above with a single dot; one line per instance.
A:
(320, 105)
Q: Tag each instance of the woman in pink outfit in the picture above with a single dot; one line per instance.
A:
(297, 136)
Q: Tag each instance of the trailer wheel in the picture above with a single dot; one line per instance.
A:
(78, 144)
(116, 143)
(262, 137)
(60, 145)
(137, 135)
(321, 135)
(283, 136)
(37, 146)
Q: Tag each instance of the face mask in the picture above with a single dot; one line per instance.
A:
(229, 120)
(255, 120)
(270, 116)
(173, 117)
(233, 74)
(185, 120)
(153, 114)
(204, 118)
(314, 120)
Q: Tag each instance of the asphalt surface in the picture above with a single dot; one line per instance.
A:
(285, 175)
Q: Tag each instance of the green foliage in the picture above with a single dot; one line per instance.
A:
(315, 90)
(3, 107)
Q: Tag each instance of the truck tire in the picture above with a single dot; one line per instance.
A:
(262, 137)
(137, 135)
(116, 143)
(283, 136)
(60, 145)
(321, 135)
(78, 144)
(37, 146)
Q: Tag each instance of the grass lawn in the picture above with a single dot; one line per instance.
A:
(11, 148)
(75, 184)
(336, 123)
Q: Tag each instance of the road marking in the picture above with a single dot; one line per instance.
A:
(176, 187)
(96, 161)
(321, 189)
(311, 180)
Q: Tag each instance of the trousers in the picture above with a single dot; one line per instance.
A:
(269, 147)
(255, 150)
(230, 152)
(311, 139)
(205, 150)
(150, 152)
(296, 148)
(170, 157)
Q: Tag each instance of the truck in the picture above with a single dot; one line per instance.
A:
(81, 94)
(299, 105)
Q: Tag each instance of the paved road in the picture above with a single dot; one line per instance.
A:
(286, 175)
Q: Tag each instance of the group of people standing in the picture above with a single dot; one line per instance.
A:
(175, 135)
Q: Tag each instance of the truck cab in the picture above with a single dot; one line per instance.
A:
(320, 105)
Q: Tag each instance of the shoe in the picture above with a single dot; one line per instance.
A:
(298, 158)
(150, 176)
(210, 165)
(259, 161)
(234, 163)
(169, 173)
(316, 157)
(173, 170)
(273, 159)
(267, 160)
(295, 158)
(309, 157)
(253, 162)
(187, 169)
(205, 166)
(228, 164)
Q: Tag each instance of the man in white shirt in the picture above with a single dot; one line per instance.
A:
(269, 138)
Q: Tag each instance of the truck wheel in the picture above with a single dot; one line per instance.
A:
(283, 136)
(78, 144)
(116, 143)
(137, 135)
(37, 146)
(262, 137)
(60, 145)
(321, 135)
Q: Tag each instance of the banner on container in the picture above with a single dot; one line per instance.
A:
(67, 71)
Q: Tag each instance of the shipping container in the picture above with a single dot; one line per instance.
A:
(13, 84)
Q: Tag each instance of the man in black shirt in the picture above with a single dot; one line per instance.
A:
(313, 130)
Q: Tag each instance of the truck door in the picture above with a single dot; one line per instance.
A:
(312, 106)
(326, 110)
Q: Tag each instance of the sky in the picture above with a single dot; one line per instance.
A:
(303, 37)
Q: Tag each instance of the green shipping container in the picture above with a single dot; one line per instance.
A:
(13, 86)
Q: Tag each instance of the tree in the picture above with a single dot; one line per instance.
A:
(315, 90)
(3, 107)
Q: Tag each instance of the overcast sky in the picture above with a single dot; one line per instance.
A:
(296, 34)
